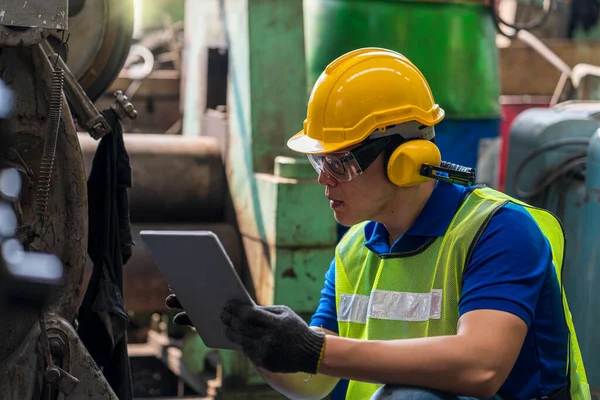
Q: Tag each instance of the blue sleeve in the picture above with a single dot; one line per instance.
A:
(326, 315)
(508, 266)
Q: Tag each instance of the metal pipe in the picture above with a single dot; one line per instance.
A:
(175, 178)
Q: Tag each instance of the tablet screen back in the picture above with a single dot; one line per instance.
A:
(200, 273)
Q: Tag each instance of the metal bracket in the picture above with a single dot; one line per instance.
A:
(85, 111)
(66, 346)
(123, 107)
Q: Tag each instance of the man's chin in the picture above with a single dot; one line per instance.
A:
(346, 220)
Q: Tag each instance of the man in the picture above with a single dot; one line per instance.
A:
(437, 290)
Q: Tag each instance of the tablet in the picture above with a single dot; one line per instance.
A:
(199, 271)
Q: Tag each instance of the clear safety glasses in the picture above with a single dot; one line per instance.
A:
(343, 166)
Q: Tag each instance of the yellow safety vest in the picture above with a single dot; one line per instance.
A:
(415, 295)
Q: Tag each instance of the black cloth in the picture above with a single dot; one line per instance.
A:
(103, 320)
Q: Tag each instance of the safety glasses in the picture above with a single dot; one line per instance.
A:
(343, 166)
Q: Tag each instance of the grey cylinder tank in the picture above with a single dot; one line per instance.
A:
(585, 298)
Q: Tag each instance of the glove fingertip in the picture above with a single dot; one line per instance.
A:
(173, 302)
(183, 319)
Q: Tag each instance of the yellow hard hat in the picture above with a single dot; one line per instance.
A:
(360, 92)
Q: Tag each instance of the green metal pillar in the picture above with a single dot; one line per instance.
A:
(287, 227)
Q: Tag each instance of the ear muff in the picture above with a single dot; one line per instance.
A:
(404, 165)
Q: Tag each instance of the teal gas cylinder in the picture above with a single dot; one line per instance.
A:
(554, 163)
(585, 296)
(452, 43)
(546, 156)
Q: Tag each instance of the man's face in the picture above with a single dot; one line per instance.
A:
(363, 198)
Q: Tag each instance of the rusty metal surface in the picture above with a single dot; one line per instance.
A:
(175, 178)
(9, 37)
(145, 288)
(48, 14)
(22, 372)
(83, 108)
(78, 362)
(64, 233)
(101, 35)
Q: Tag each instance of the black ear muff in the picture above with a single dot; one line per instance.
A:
(404, 165)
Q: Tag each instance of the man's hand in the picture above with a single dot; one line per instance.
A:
(181, 318)
(274, 338)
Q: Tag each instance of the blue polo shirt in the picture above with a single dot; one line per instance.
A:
(510, 270)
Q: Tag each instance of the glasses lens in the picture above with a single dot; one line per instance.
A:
(334, 165)
(341, 167)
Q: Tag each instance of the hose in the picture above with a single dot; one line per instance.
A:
(548, 6)
(49, 152)
(571, 164)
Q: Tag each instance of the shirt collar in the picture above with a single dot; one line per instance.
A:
(439, 210)
(433, 221)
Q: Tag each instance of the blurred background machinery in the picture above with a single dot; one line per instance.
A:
(218, 87)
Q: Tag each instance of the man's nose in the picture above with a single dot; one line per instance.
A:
(326, 180)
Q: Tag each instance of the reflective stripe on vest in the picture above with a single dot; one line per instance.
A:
(409, 295)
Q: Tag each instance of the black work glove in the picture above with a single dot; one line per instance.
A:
(274, 338)
(181, 318)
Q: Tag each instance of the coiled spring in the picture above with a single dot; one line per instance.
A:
(49, 152)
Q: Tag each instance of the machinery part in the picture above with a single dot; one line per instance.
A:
(42, 14)
(566, 166)
(104, 31)
(177, 178)
(28, 37)
(26, 279)
(585, 296)
(138, 72)
(77, 377)
(544, 130)
(44, 179)
(75, 7)
(467, 87)
(85, 111)
(548, 7)
(557, 134)
(123, 107)
(28, 73)
(21, 369)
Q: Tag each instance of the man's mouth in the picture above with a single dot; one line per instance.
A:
(334, 203)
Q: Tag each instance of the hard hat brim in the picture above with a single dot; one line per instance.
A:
(301, 143)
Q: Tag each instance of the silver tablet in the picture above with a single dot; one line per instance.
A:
(200, 273)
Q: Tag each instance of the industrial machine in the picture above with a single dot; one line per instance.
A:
(42, 356)
(57, 58)
(553, 164)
